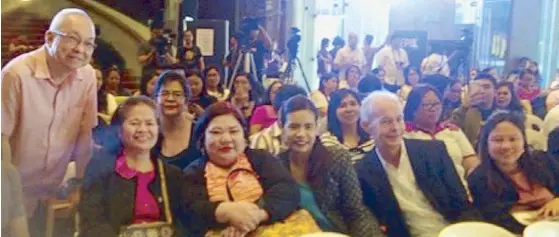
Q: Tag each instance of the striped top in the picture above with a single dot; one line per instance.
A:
(357, 153)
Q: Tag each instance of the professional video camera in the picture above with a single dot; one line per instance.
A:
(248, 24)
(293, 43)
(163, 42)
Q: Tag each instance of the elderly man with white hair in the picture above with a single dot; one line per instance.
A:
(49, 109)
(410, 185)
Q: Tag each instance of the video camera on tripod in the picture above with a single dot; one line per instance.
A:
(163, 44)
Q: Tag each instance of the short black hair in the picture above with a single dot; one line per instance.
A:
(438, 81)
(369, 84)
(285, 93)
(169, 76)
(486, 76)
(369, 38)
(297, 103)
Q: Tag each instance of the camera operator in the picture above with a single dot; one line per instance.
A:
(259, 48)
(156, 52)
(189, 55)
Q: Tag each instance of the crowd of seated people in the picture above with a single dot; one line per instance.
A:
(368, 154)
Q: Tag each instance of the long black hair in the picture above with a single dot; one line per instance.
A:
(102, 103)
(514, 104)
(220, 83)
(324, 78)
(255, 91)
(334, 125)
(195, 73)
(531, 167)
(319, 159)
(267, 100)
(145, 81)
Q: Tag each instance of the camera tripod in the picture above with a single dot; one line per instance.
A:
(290, 72)
(249, 67)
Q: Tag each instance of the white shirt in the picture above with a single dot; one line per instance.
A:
(346, 55)
(387, 59)
(435, 64)
(421, 218)
(456, 142)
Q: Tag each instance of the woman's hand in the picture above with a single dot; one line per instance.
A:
(196, 109)
(550, 209)
(244, 216)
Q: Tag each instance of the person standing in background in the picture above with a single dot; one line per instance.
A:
(393, 59)
(349, 56)
(55, 83)
(338, 43)
(189, 55)
(147, 51)
(369, 52)
(324, 58)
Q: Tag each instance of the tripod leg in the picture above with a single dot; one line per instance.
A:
(237, 65)
(254, 69)
(304, 75)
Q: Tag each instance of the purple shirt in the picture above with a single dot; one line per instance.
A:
(264, 115)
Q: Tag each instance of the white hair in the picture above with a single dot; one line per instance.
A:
(59, 18)
(366, 113)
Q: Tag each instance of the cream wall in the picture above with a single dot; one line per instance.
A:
(126, 42)
(437, 17)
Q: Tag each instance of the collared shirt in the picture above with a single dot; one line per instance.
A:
(421, 218)
(146, 208)
(357, 153)
(268, 139)
(455, 140)
(346, 55)
(47, 124)
(388, 58)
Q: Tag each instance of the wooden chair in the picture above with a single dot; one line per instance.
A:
(59, 209)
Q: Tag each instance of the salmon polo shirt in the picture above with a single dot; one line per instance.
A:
(48, 124)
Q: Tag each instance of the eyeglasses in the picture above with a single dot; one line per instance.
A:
(428, 106)
(168, 94)
(74, 41)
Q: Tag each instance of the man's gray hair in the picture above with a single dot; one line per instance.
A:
(374, 98)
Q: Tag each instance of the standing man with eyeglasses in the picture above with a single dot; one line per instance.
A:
(49, 110)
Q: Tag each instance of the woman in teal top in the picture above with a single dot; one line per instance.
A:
(308, 202)
(328, 184)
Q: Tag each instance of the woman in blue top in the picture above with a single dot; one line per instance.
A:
(328, 184)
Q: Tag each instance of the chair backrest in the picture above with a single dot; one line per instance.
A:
(542, 229)
(478, 229)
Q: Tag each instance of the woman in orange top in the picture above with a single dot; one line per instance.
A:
(232, 188)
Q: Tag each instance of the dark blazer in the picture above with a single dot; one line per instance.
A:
(435, 175)
(339, 196)
(280, 199)
(496, 207)
(107, 200)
